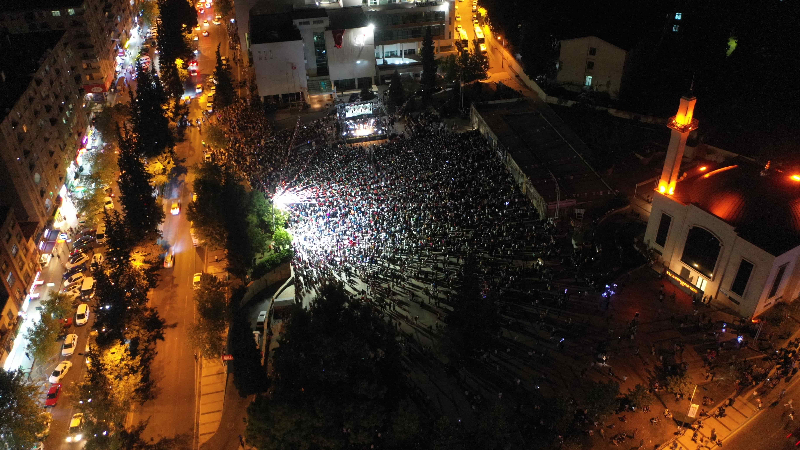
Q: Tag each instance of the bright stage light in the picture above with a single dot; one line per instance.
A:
(283, 199)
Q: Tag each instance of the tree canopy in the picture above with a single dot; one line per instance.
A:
(209, 332)
(337, 378)
(226, 91)
(428, 78)
(21, 416)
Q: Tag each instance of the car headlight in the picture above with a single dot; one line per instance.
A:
(69, 438)
(78, 437)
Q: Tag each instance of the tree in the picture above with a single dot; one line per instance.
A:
(226, 92)
(428, 78)
(150, 123)
(215, 136)
(44, 333)
(601, 399)
(450, 68)
(337, 366)
(208, 334)
(473, 65)
(172, 79)
(58, 305)
(21, 416)
(149, 12)
(640, 396)
(396, 91)
(160, 168)
(679, 384)
(109, 119)
(177, 18)
(229, 217)
(143, 212)
(540, 48)
(366, 92)
(474, 322)
(223, 7)
(90, 202)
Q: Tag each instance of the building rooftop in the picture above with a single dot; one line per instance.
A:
(21, 58)
(347, 18)
(31, 5)
(763, 209)
(537, 144)
(276, 27)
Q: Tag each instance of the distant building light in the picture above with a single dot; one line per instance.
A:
(678, 16)
(703, 169)
(796, 177)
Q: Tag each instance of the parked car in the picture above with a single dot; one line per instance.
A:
(74, 279)
(82, 314)
(60, 371)
(68, 348)
(70, 272)
(53, 395)
(262, 317)
(77, 260)
(75, 433)
(169, 260)
(175, 209)
(66, 323)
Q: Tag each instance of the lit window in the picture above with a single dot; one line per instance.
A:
(675, 28)
(56, 13)
(71, 12)
(588, 80)
(678, 16)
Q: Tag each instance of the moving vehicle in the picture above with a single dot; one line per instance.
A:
(68, 348)
(175, 209)
(196, 280)
(199, 88)
(458, 17)
(262, 317)
(169, 260)
(483, 48)
(108, 203)
(205, 23)
(75, 433)
(195, 240)
(60, 371)
(82, 314)
(218, 19)
(205, 32)
(53, 395)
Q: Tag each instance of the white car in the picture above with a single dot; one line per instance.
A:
(97, 258)
(70, 343)
(175, 209)
(77, 260)
(76, 280)
(60, 371)
(108, 204)
(82, 314)
(196, 280)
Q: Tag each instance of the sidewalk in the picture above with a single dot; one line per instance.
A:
(212, 398)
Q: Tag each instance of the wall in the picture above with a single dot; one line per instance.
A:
(609, 62)
(282, 272)
(512, 66)
(754, 300)
(273, 65)
(356, 58)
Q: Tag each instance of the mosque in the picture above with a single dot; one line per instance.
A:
(729, 231)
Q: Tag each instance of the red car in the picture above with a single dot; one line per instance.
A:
(66, 322)
(52, 396)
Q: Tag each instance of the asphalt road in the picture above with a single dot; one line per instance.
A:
(770, 429)
(173, 411)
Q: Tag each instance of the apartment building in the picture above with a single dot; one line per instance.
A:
(43, 121)
(590, 63)
(99, 30)
(18, 267)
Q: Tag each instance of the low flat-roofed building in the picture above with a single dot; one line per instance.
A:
(543, 156)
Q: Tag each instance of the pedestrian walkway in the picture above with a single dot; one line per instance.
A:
(212, 397)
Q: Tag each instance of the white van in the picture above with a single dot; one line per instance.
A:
(87, 288)
(100, 235)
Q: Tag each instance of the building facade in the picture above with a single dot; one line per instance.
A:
(43, 120)
(18, 266)
(590, 63)
(726, 231)
(99, 30)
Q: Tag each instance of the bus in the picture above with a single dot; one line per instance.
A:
(479, 35)
(464, 38)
